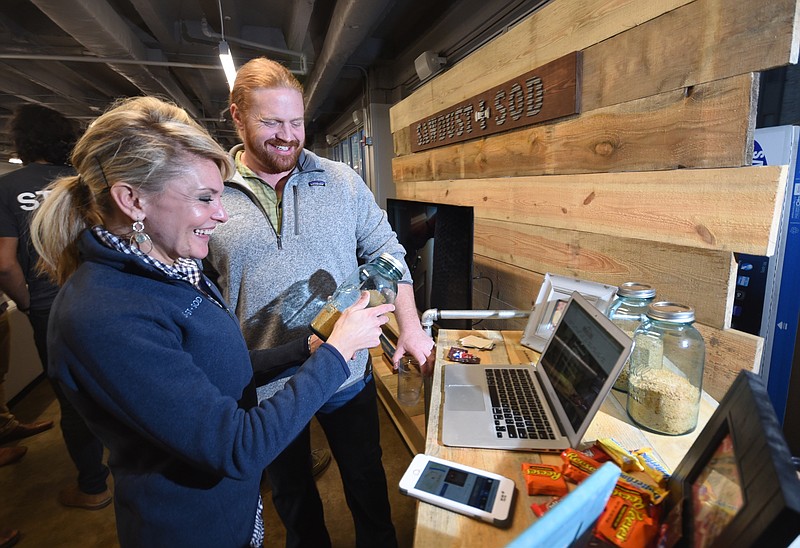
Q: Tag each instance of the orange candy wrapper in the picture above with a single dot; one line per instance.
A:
(544, 479)
(577, 466)
(629, 520)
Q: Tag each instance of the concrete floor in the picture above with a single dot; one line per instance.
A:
(28, 489)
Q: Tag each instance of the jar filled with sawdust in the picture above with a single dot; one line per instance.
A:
(627, 311)
(379, 277)
(665, 379)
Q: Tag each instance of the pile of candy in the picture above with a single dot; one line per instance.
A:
(461, 355)
(632, 514)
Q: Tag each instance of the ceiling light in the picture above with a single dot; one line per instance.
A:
(227, 62)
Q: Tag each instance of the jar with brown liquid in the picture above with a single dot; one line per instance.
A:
(379, 277)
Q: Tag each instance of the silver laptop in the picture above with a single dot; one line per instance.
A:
(489, 406)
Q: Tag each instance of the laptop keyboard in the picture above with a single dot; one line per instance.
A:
(517, 410)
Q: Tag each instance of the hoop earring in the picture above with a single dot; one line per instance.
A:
(140, 238)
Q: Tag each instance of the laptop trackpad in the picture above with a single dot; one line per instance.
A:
(464, 398)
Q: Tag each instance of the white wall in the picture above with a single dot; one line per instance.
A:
(378, 161)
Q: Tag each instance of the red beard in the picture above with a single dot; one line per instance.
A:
(274, 163)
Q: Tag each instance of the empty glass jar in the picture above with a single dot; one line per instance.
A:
(665, 381)
(379, 277)
(627, 312)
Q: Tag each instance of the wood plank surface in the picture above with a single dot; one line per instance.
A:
(437, 527)
(728, 351)
(701, 278)
(555, 30)
(700, 208)
(689, 46)
(706, 127)
(633, 49)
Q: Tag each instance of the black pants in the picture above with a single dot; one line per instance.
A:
(353, 433)
(83, 447)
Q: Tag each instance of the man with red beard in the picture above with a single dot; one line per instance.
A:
(298, 225)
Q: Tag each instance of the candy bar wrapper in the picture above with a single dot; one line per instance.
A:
(544, 479)
(629, 520)
(596, 453)
(654, 492)
(652, 466)
(541, 508)
(626, 460)
(577, 466)
(460, 355)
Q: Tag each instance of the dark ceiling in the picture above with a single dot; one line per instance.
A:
(77, 56)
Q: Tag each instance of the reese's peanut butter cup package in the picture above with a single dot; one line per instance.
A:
(577, 466)
(629, 520)
(544, 479)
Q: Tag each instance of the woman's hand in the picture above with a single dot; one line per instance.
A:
(359, 327)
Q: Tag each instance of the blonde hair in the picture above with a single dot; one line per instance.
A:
(141, 141)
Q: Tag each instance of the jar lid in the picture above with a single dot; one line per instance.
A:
(670, 312)
(393, 263)
(636, 290)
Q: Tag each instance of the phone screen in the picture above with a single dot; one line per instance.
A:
(459, 486)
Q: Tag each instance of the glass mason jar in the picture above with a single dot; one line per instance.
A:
(379, 277)
(665, 380)
(627, 312)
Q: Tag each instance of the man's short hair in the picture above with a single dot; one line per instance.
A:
(40, 133)
(261, 73)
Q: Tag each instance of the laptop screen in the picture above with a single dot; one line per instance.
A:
(578, 361)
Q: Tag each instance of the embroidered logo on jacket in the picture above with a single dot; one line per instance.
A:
(316, 183)
(193, 306)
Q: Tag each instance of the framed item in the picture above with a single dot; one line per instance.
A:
(550, 303)
(737, 485)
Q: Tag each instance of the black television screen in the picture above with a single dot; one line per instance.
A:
(438, 242)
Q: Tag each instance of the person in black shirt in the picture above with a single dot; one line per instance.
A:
(44, 139)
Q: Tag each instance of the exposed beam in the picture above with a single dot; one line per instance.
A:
(96, 25)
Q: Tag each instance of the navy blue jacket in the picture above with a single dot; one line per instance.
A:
(163, 377)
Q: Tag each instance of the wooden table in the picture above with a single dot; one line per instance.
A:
(438, 528)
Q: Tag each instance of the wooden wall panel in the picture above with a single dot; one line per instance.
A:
(514, 288)
(559, 28)
(630, 51)
(650, 182)
(697, 277)
(674, 51)
(727, 350)
(709, 127)
(689, 207)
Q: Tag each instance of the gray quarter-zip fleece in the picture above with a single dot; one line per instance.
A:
(276, 283)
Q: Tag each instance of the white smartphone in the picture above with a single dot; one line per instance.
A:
(475, 493)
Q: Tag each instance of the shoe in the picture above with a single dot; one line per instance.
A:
(73, 496)
(23, 430)
(9, 455)
(320, 459)
(8, 537)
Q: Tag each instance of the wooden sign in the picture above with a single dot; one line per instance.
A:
(545, 93)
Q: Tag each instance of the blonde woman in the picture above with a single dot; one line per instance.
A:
(145, 346)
